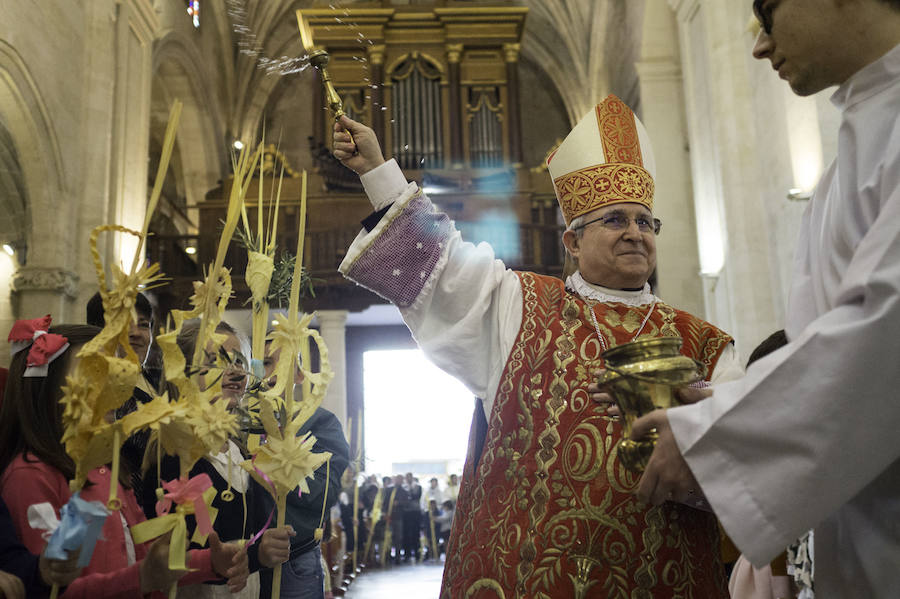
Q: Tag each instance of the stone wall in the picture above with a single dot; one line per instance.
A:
(751, 141)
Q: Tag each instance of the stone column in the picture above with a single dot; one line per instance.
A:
(332, 327)
(512, 98)
(376, 79)
(664, 115)
(454, 53)
(44, 290)
(736, 122)
(135, 29)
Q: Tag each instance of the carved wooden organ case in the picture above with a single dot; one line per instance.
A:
(439, 85)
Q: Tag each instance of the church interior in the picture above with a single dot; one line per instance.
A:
(470, 97)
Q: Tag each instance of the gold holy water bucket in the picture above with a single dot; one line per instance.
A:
(642, 376)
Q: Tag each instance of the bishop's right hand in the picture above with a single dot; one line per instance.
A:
(356, 146)
(602, 395)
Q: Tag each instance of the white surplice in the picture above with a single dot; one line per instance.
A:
(811, 436)
(467, 316)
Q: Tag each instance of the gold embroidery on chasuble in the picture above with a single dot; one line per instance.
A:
(549, 511)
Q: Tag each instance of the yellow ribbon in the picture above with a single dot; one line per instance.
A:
(157, 527)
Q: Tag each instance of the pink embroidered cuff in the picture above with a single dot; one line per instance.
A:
(399, 255)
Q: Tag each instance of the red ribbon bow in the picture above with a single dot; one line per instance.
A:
(182, 491)
(45, 347)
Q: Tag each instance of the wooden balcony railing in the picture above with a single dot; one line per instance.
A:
(182, 258)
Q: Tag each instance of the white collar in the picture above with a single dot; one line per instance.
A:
(869, 80)
(240, 478)
(589, 291)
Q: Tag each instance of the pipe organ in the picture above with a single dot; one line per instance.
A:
(438, 84)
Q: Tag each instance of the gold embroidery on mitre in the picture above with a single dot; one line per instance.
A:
(618, 132)
(600, 185)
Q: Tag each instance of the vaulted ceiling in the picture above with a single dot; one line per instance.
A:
(587, 48)
(584, 49)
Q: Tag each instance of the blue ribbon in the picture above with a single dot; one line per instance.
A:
(80, 527)
(257, 368)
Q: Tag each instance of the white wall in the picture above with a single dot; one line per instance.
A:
(663, 114)
(751, 142)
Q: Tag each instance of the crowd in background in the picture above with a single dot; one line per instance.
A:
(398, 520)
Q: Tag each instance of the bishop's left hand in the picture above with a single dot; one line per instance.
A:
(602, 396)
(667, 476)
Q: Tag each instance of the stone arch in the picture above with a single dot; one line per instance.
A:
(200, 158)
(40, 279)
(258, 93)
(543, 110)
(587, 49)
(292, 95)
(13, 198)
(37, 151)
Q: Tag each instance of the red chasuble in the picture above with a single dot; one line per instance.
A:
(545, 509)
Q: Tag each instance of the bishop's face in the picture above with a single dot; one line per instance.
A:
(615, 258)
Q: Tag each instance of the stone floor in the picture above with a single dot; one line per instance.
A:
(419, 581)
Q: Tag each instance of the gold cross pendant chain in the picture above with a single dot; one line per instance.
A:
(603, 344)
